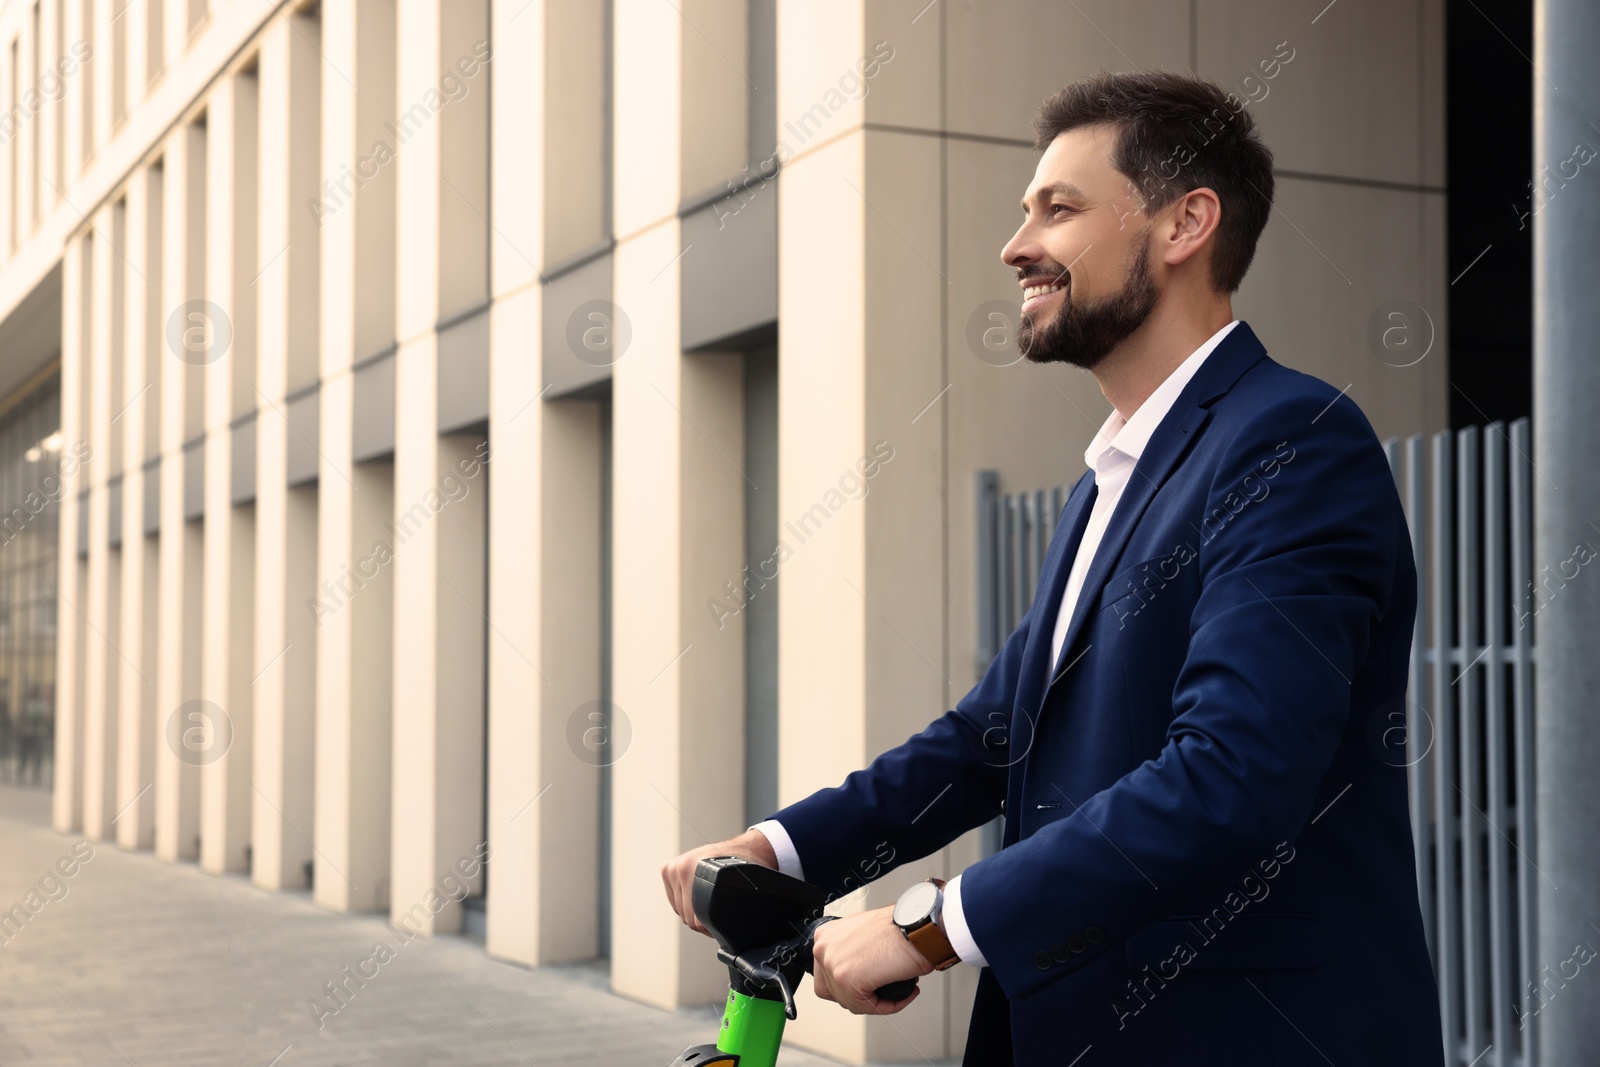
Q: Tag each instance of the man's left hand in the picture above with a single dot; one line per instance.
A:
(856, 955)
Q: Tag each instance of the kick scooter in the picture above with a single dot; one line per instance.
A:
(764, 922)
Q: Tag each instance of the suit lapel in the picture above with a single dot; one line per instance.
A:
(1178, 430)
(1167, 445)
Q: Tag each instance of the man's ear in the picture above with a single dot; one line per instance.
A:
(1194, 219)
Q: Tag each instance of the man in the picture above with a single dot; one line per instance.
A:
(1206, 859)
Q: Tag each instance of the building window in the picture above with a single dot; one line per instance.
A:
(30, 494)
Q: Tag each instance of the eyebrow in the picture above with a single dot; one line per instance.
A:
(1066, 189)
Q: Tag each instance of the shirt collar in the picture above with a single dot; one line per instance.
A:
(1129, 437)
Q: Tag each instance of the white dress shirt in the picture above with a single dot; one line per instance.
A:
(1112, 454)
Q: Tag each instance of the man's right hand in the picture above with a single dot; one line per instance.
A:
(678, 874)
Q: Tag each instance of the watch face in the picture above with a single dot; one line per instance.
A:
(916, 904)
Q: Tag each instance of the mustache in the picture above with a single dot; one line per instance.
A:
(1043, 276)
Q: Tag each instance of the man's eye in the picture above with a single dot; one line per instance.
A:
(1056, 209)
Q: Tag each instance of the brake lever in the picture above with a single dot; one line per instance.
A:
(766, 973)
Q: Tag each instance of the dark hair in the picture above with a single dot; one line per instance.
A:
(1177, 133)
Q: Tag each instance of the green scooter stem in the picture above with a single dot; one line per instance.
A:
(752, 1029)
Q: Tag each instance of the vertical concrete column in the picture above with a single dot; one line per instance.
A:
(112, 309)
(10, 216)
(67, 802)
(136, 708)
(355, 502)
(516, 690)
(544, 645)
(51, 115)
(76, 88)
(135, 18)
(442, 168)
(175, 28)
(11, 225)
(99, 697)
(1566, 271)
(228, 645)
(678, 493)
(12, 228)
(27, 79)
(286, 519)
(187, 735)
(105, 70)
(862, 659)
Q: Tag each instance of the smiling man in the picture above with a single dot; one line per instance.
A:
(1207, 855)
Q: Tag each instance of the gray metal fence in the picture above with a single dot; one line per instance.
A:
(1465, 734)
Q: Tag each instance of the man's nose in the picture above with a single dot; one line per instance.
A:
(1021, 249)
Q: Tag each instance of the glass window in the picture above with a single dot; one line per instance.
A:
(30, 496)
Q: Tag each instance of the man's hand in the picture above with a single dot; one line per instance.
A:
(678, 874)
(856, 955)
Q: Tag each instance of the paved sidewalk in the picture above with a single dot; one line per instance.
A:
(136, 962)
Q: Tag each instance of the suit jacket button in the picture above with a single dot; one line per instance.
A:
(1041, 960)
(1095, 935)
(1077, 944)
(1060, 954)
(1002, 807)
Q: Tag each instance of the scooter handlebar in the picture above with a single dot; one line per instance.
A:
(894, 992)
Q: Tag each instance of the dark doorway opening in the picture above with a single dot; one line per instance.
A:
(1489, 172)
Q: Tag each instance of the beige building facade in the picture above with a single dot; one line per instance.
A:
(527, 439)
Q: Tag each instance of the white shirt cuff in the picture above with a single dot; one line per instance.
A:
(954, 922)
(782, 847)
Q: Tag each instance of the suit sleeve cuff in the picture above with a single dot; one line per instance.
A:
(955, 926)
(782, 847)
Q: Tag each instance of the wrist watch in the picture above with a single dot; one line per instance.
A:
(916, 913)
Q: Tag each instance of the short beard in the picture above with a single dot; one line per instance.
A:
(1083, 336)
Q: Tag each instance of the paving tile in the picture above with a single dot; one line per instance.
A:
(143, 962)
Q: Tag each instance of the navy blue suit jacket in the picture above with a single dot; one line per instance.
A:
(1207, 855)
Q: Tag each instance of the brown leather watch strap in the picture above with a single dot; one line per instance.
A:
(930, 940)
(935, 947)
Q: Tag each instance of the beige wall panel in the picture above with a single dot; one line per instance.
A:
(355, 585)
(284, 692)
(419, 240)
(139, 729)
(818, 45)
(438, 531)
(67, 807)
(27, 190)
(1045, 45)
(463, 155)
(98, 602)
(716, 94)
(354, 666)
(676, 531)
(647, 119)
(822, 420)
(569, 524)
(1360, 98)
(1317, 281)
(226, 794)
(543, 529)
(437, 536)
(863, 592)
(228, 361)
(648, 953)
(568, 77)
(183, 728)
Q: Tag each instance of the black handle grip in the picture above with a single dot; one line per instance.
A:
(898, 991)
(894, 991)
